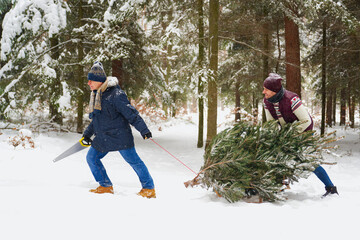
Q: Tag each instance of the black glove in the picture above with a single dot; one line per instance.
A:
(85, 141)
(147, 135)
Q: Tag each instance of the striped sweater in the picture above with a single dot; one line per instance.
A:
(288, 110)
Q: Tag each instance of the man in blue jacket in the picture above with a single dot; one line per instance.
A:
(111, 114)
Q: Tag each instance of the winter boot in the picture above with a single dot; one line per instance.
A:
(252, 196)
(101, 189)
(286, 183)
(149, 193)
(250, 192)
(330, 190)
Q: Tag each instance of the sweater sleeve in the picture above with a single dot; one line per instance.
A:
(302, 114)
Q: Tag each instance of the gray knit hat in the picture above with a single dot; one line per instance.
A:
(97, 73)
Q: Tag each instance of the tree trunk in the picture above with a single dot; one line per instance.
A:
(329, 108)
(117, 71)
(323, 81)
(55, 87)
(351, 100)
(265, 58)
(237, 101)
(173, 105)
(334, 105)
(343, 106)
(278, 46)
(266, 46)
(80, 74)
(352, 113)
(200, 142)
(167, 105)
(292, 56)
(172, 101)
(212, 82)
(255, 109)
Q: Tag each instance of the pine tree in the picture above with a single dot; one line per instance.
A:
(214, 13)
(249, 159)
(26, 52)
(242, 32)
(173, 39)
(201, 60)
(337, 23)
(120, 43)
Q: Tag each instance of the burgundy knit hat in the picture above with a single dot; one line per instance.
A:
(273, 82)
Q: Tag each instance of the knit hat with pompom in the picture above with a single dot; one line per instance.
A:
(273, 82)
(97, 73)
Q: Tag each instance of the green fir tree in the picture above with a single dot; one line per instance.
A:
(249, 159)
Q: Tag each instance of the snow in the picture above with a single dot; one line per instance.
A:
(25, 133)
(65, 100)
(45, 200)
(27, 15)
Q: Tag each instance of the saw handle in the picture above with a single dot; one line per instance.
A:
(85, 141)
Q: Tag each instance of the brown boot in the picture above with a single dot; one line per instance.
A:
(149, 193)
(101, 189)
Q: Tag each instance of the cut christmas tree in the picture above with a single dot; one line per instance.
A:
(248, 160)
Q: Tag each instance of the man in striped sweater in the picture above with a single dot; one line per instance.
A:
(286, 107)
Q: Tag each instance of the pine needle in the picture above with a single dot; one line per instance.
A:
(255, 159)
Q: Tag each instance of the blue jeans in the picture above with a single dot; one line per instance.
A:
(323, 176)
(94, 157)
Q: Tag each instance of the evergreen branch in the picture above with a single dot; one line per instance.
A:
(31, 66)
(253, 157)
(259, 51)
(327, 163)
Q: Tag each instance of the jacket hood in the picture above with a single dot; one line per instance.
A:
(112, 81)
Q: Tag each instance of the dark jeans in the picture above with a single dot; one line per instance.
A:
(94, 157)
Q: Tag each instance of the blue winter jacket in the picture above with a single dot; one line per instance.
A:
(111, 125)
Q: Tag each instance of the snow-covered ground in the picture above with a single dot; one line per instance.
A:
(45, 200)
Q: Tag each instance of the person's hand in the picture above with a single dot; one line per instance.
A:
(85, 141)
(147, 135)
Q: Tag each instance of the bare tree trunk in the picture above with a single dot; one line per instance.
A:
(343, 106)
(172, 102)
(212, 83)
(200, 142)
(117, 71)
(55, 87)
(173, 106)
(323, 81)
(266, 45)
(334, 105)
(329, 108)
(351, 99)
(278, 46)
(237, 101)
(266, 68)
(292, 56)
(167, 17)
(255, 109)
(80, 75)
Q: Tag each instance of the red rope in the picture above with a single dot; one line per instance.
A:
(173, 156)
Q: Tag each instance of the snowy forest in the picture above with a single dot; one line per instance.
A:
(195, 71)
(177, 56)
